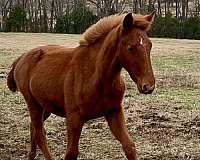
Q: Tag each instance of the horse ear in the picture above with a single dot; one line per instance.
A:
(128, 22)
(150, 17)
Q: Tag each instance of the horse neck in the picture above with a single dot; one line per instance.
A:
(107, 67)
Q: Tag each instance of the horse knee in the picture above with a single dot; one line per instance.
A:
(39, 137)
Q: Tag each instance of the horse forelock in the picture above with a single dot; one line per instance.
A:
(106, 24)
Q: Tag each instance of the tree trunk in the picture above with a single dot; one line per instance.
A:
(183, 9)
(45, 17)
(176, 8)
(52, 16)
(159, 8)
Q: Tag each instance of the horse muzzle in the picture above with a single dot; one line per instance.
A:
(146, 88)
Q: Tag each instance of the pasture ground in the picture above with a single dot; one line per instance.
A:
(164, 125)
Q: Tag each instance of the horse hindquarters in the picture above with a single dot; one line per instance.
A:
(18, 79)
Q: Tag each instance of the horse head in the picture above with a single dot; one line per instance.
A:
(134, 51)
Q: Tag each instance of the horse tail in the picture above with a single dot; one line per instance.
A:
(10, 78)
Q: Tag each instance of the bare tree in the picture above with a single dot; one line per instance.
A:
(108, 7)
(42, 15)
(6, 6)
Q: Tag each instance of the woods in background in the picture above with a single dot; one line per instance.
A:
(175, 18)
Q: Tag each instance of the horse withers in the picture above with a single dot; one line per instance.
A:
(85, 82)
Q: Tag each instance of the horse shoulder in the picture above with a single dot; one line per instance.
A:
(118, 87)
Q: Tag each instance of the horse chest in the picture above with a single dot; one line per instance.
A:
(101, 104)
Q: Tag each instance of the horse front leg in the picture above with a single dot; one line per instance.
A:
(74, 128)
(117, 125)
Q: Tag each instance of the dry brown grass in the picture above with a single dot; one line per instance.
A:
(164, 125)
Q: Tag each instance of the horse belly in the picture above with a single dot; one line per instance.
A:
(99, 108)
(49, 97)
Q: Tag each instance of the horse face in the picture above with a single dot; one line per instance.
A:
(134, 55)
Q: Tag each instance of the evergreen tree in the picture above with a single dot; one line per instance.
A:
(17, 19)
(77, 21)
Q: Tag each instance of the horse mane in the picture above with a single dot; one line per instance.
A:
(106, 24)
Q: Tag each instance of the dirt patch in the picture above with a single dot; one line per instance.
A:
(164, 125)
(160, 132)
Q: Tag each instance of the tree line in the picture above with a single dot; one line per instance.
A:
(174, 19)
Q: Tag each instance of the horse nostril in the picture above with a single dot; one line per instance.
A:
(147, 89)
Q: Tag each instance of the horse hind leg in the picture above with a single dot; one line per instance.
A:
(32, 153)
(38, 136)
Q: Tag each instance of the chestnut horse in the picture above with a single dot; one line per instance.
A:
(85, 82)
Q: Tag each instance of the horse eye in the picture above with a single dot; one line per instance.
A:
(130, 48)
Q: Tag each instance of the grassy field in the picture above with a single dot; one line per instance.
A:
(164, 125)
